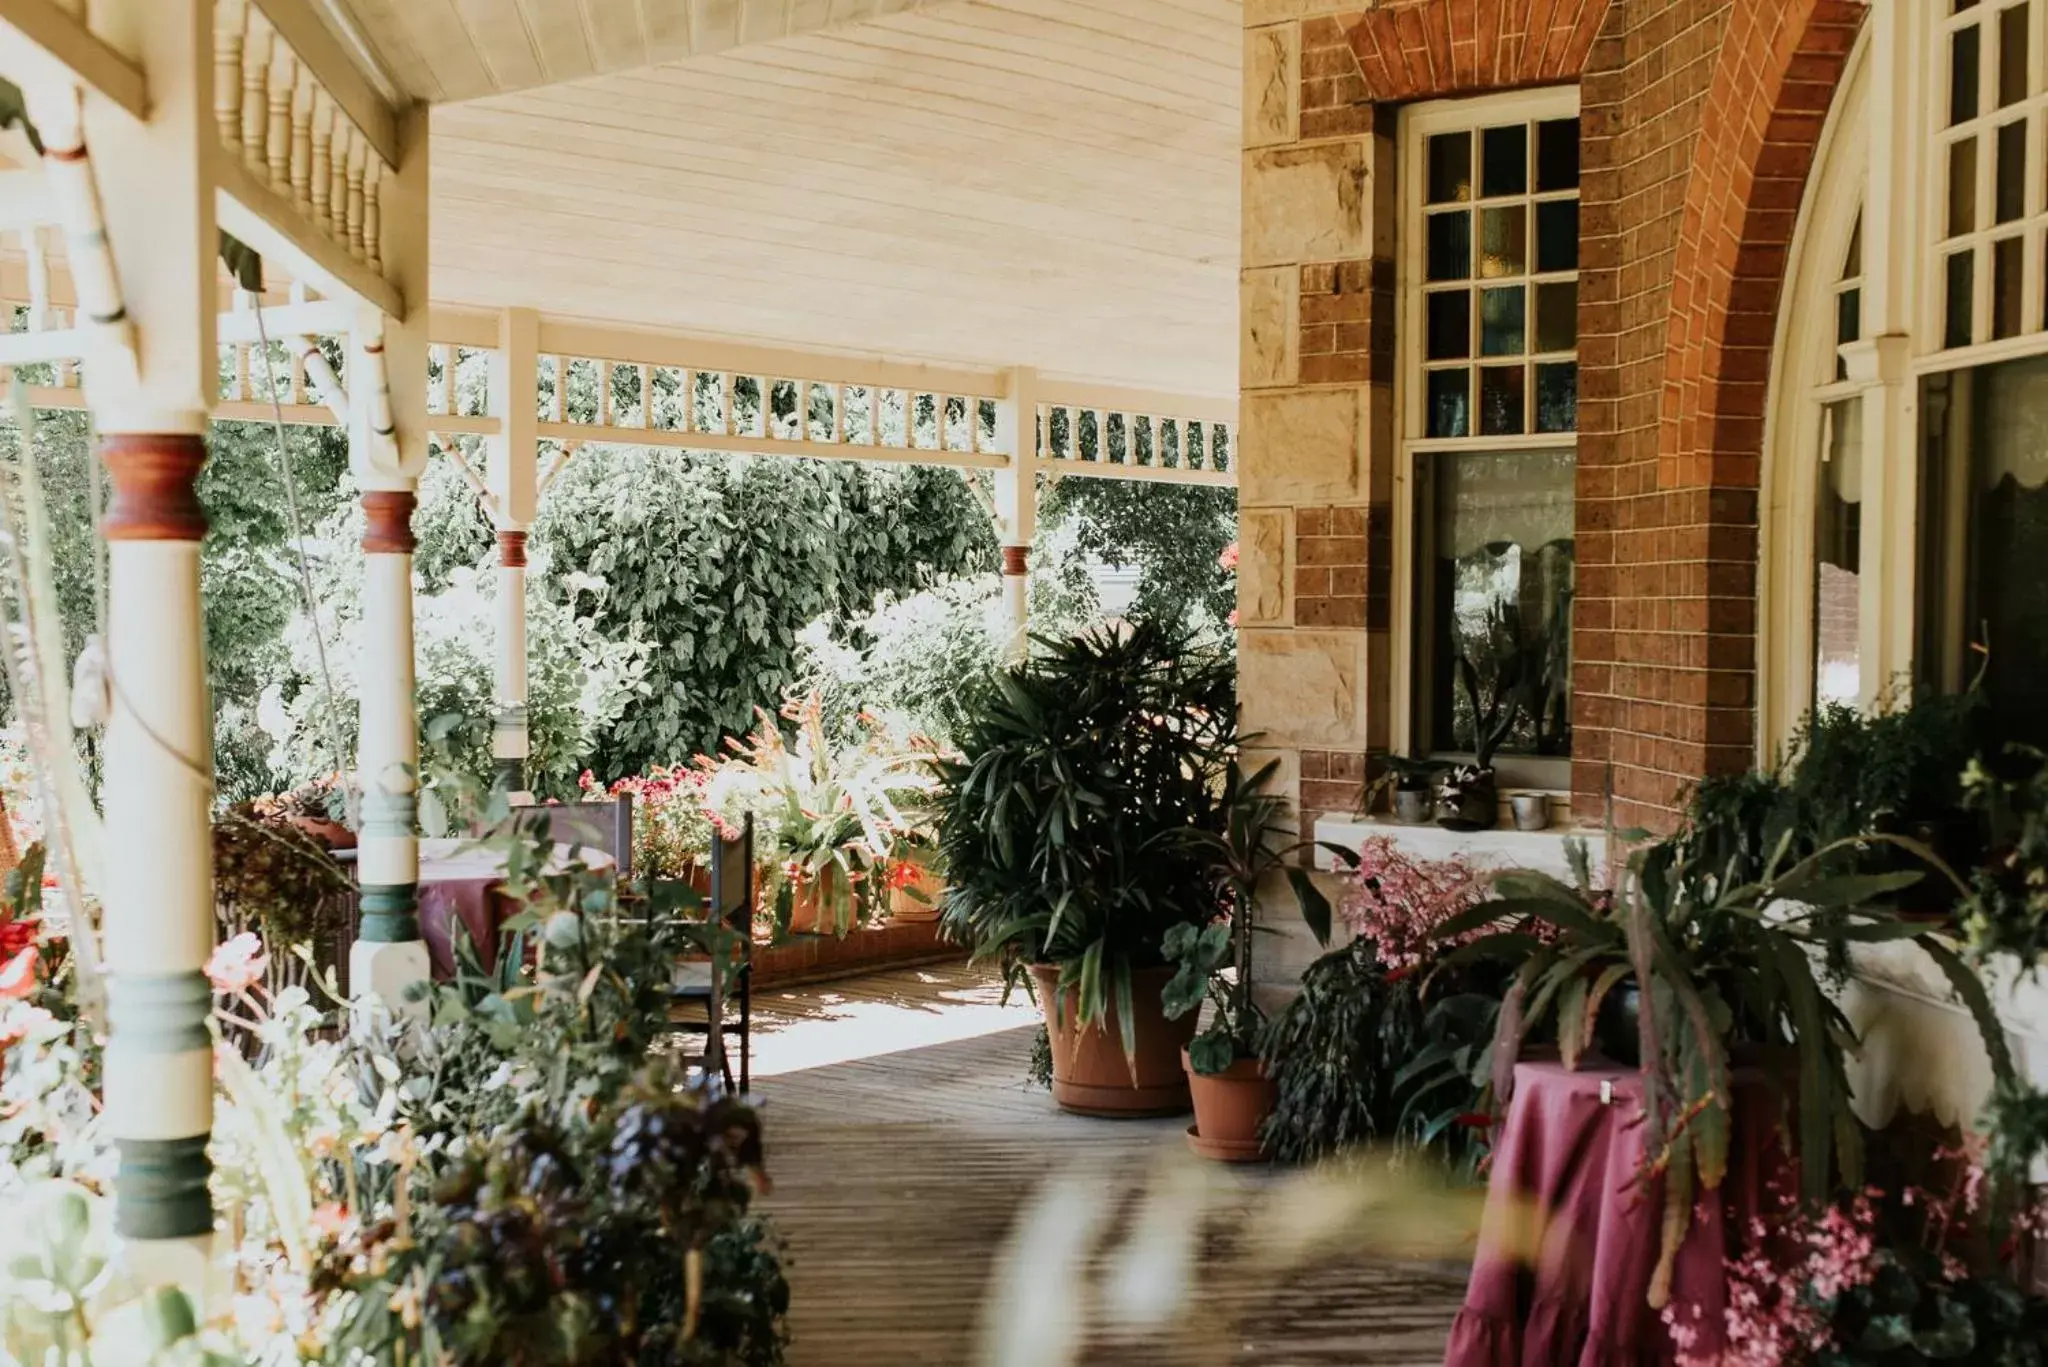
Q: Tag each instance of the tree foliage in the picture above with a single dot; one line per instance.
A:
(1172, 534)
(719, 562)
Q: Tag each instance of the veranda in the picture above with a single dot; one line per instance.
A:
(165, 127)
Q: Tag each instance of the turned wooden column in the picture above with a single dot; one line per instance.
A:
(510, 743)
(389, 955)
(1017, 597)
(158, 913)
(1016, 500)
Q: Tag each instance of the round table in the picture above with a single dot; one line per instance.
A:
(1571, 1233)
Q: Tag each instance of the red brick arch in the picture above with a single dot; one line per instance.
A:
(1779, 63)
(1424, 49)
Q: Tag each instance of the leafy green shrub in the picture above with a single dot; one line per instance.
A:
(1065, 825)
(578, 681)
(721, 561)
(1363, 1055)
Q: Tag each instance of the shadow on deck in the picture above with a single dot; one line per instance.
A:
(904, 1142)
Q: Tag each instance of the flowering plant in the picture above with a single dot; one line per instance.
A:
(672, 827)
(1839, 1285)
(1400, 901)
(837, 819)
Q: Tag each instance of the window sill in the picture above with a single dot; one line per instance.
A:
(1503, 847)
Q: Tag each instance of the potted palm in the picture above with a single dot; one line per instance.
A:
(1232, 1089)
(1065, 825)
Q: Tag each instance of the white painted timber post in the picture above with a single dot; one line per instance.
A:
(513, 481)
(387, 383)
(152, 418)
(1017, 500)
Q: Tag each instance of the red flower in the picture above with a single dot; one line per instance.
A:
(18, 975)
(15, 936)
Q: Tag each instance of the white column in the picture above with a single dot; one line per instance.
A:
(1891, 455)
(513, 481)
(1017, 499)
(387, 384)
(158, 899)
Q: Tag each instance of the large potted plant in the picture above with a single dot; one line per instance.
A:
(1066, 824)
(1233, 1090)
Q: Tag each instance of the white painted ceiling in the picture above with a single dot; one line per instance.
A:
(1042, 182)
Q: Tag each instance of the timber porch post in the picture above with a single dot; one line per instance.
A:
(156, 240)
(1017, 500)
(512, 479)
(387, 384)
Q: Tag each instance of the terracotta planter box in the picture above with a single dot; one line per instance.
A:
(1091, 1075)
(819, 958)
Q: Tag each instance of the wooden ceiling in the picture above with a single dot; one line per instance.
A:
(1043, 182)
(445, 50)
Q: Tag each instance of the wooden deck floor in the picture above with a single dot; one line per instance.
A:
(904, 1145)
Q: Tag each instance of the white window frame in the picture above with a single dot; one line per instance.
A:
(1417, 123)
(1896, 149)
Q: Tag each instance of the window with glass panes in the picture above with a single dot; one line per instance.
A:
(1489, 360)
(1838, 507)
(1499, 220)
(1992, 212)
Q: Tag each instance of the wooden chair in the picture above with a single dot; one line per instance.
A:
(605, 825)
(700, 991)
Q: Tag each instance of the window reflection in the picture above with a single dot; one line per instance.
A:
(1497, 578)
(1838, 557)
(1983, 580)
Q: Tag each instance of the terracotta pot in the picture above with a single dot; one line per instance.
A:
(1091, 1076)
(332, 834)
(928, 886)
(811, 908)
(1230, 1106)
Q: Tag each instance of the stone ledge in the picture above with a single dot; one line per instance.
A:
(1500, 848)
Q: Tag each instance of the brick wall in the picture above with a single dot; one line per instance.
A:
(1699, 124)
(1699, 121)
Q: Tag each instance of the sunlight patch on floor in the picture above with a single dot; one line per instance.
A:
(812, 1027)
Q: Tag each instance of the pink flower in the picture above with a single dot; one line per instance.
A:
(238, 964)
(1400, 901)
(332, 1219)
(1231, 620)
(1228, 560)
(18, 975)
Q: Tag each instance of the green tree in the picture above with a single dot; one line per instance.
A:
(720, 561)
(1172, 534)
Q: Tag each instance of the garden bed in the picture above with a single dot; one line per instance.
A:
(819, 958)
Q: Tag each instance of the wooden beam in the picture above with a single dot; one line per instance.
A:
(590, 434)
(267, 221)
(1117, 399)
(295, 414)
(1156, 474)
(319, 318)
(601, 343)
(315, 47)
(58, 36)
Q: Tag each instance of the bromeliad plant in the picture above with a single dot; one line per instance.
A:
(1247, 854)
(836, 818)
(1738, 969)
(1069, 825)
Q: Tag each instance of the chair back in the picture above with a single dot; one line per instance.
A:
(732, 878)
(606, 825)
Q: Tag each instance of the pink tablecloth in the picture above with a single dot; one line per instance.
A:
(1568, 1156)
(459, 884)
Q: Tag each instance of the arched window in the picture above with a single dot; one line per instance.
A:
(1906, 516)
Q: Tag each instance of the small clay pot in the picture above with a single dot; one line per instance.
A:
(1091, 1076)
(1413, 806)
(1230, 1108)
